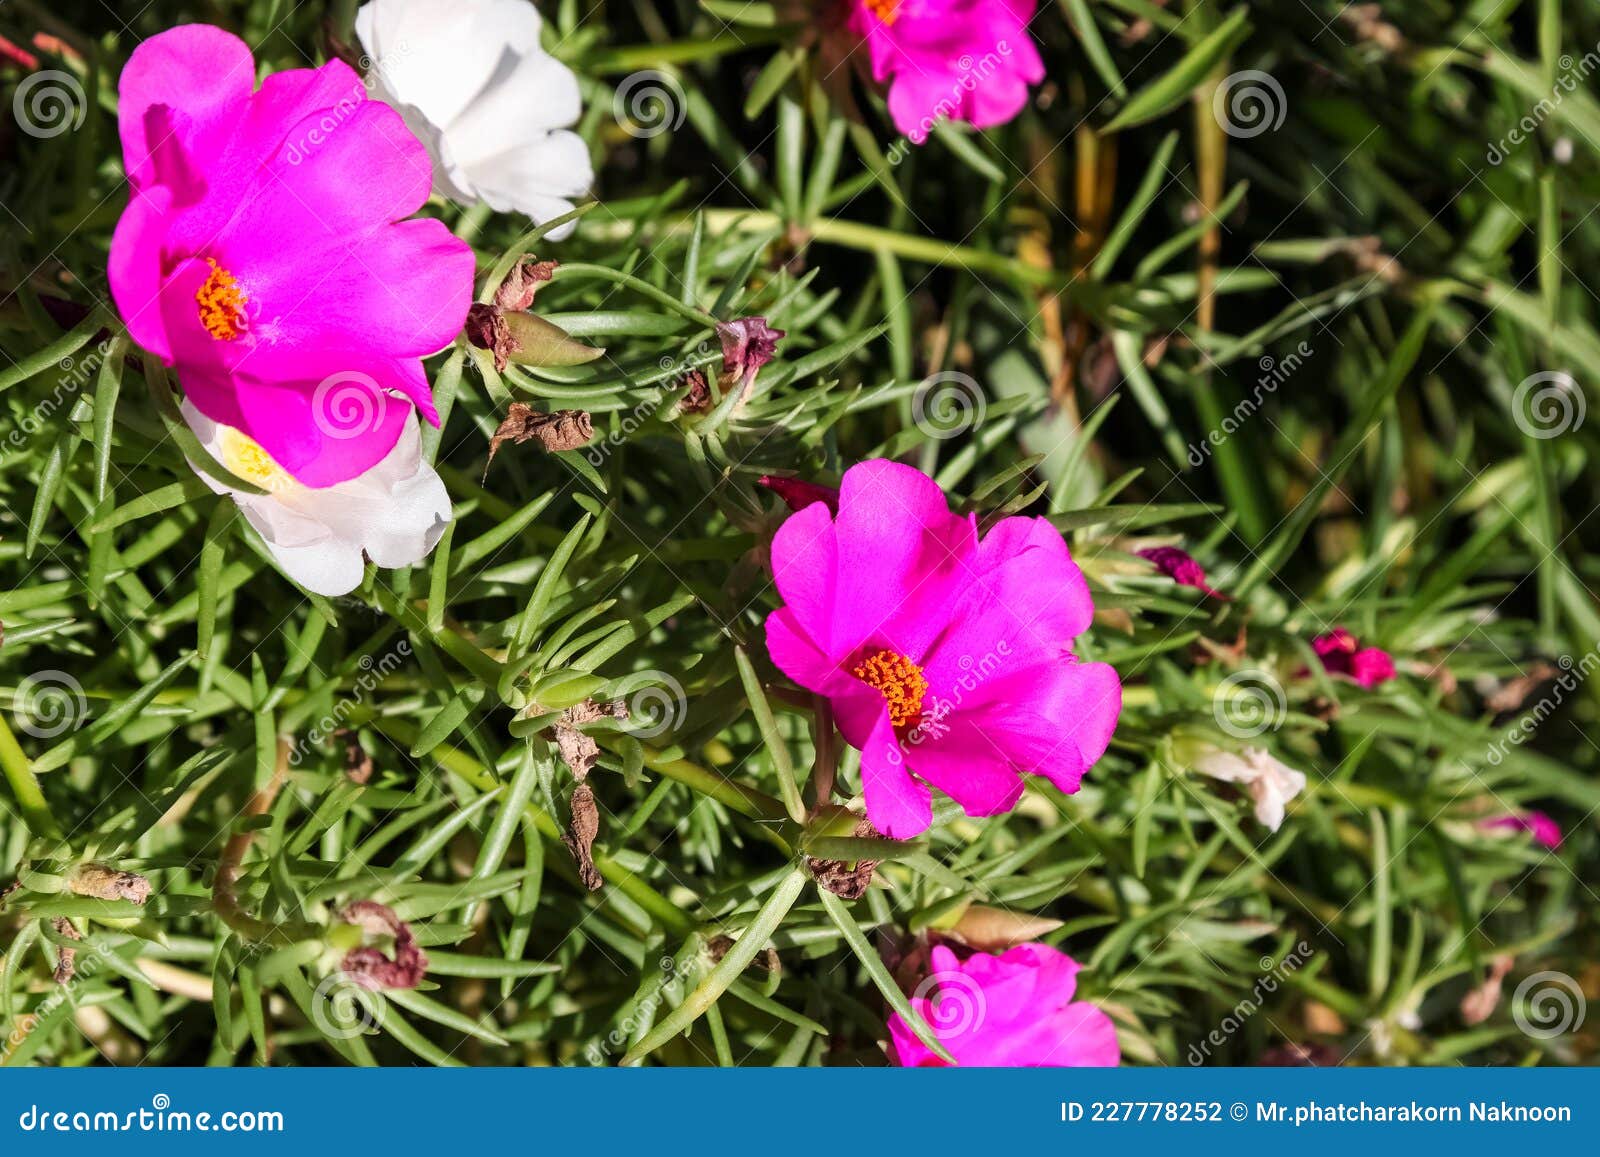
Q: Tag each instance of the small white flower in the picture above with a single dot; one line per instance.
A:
(1270, 782)
(492, 106)
(395, 513)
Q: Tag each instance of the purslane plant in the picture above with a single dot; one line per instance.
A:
(541, 796)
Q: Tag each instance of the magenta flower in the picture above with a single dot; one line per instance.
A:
(947, 660)
(966, 60)
(263, 252)
(1541, 827)
(1014, 1010)
(1341, 654)
(1181, 568)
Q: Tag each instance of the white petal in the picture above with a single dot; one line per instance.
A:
(439, 54)
(476, 87)
(331, 568)
(396, 512)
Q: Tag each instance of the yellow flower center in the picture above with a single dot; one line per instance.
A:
(900, 682)
(221, 304)
(246, 458)
(887, 11)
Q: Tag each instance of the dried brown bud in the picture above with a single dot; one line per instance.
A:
(65, 957)
(558, 431)
(748, 343)
(579, 751)
(843, 878)
(525, 338)
(698, 399)
(368, 965)
(105, 883)
(580, 839)
(486, 328)
(357, 763)
(517, 291)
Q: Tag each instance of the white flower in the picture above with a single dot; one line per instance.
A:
(473, 83)
(1271, 783)
(396, 512)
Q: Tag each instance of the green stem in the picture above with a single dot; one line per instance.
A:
(25, 786)
(463, 766)
(634, 57)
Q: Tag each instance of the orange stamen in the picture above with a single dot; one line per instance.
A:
(898, 680)
(887, 11)
(221, 304)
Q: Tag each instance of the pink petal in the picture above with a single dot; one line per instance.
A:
(205, 75)
(897, 805)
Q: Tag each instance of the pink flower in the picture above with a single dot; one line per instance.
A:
(1181, 568)
(1543, 829)
(1013, 1010)
(1341, 654)
(942, 655)
(968, 60)
(263, 252)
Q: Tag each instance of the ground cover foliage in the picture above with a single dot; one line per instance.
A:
(1303, 287)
